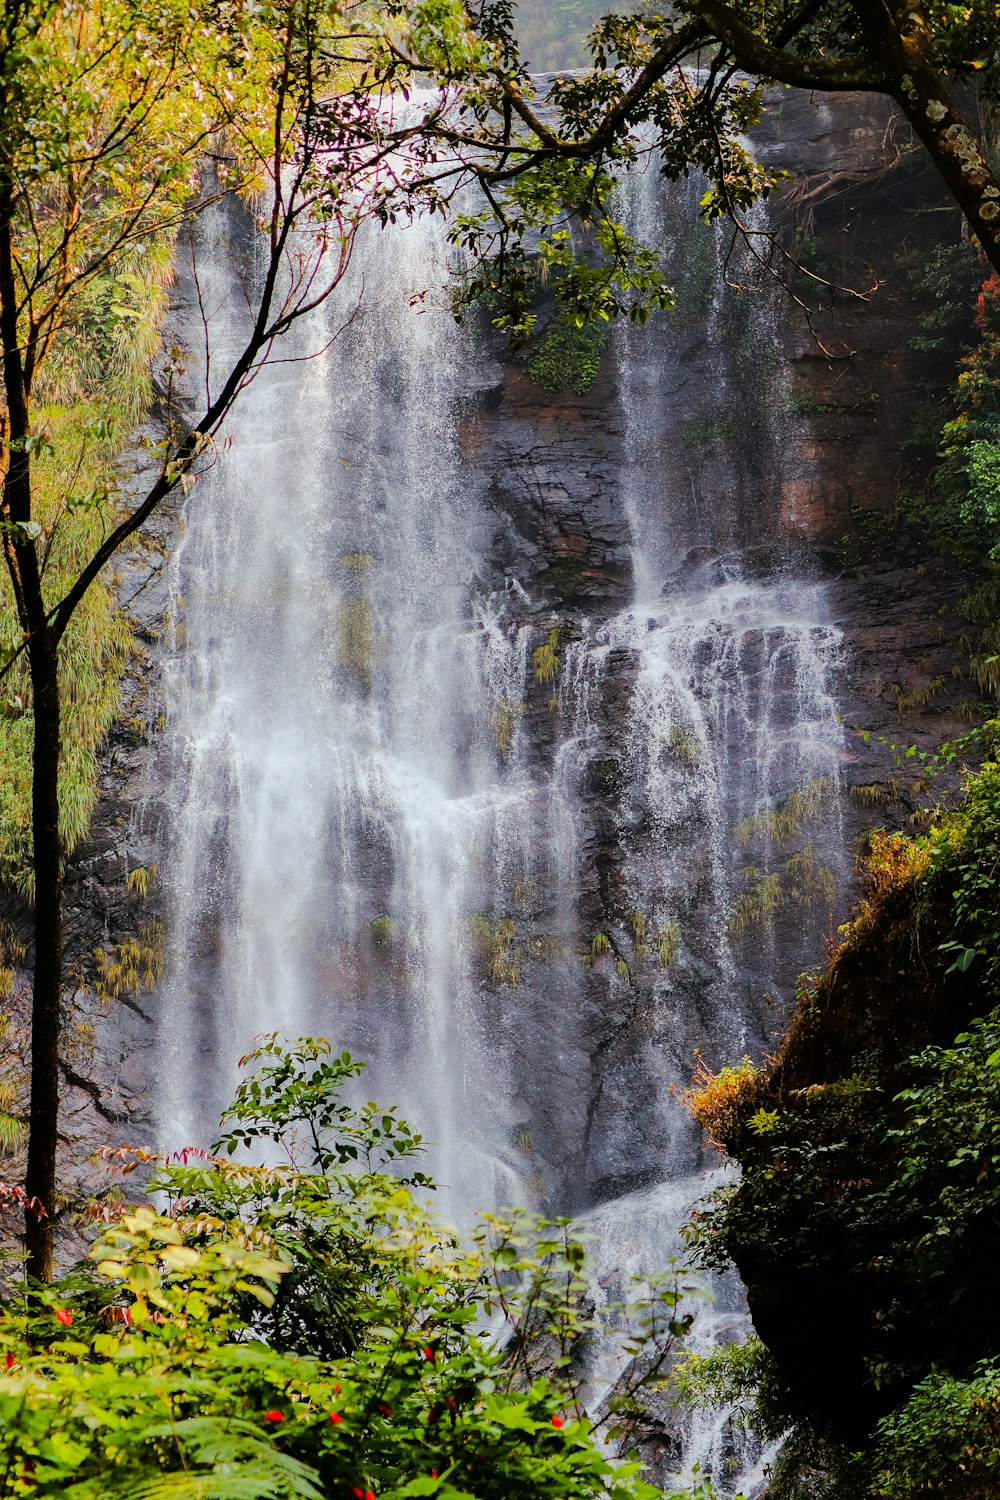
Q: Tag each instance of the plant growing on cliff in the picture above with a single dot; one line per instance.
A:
(567, 357)
(545, 658)
(786, 821)
(359, 644)
(961, 510)
(503, 720)
(667, 943)
(498, 949)
(869, 1151)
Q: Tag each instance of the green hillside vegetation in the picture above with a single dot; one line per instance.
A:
(92, 392)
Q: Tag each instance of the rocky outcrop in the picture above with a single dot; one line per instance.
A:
(865, 216)
(775, 422)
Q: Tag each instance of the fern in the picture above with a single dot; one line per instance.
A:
(236, 1463)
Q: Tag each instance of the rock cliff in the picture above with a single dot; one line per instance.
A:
(776, 422)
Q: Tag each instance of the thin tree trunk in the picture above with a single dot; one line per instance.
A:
(40, 1178)
(43, 663)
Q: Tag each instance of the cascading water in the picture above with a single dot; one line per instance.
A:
(728, 812)
(526, 887)
(338, 807)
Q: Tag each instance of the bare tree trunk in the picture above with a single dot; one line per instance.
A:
(40, 1178)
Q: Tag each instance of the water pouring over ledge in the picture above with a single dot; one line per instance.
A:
(395, 825)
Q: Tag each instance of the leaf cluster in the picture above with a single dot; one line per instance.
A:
(307, 1329)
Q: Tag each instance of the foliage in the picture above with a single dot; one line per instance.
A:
(741, 1378)
(967, 484)
(637, 928)
(545, 659)
(667, 943)
(685, 746)
(758, 903)
(383, 932)
(503, 720)
(944, 280)
(718, 1100)
(134, 965)
(877, 1182)
(497, 946)
(961, 510)
(867, 538)
(307, 1329)
(785, 821)
(568, 356)
(804, 881)
(945, 1439)
(360, 644)
(94, 391)
(964, 863)
(808, 883)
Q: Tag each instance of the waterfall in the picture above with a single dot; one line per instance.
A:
(337, 807)
(524, 889)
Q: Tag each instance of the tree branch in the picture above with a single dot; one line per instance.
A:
(755, 55)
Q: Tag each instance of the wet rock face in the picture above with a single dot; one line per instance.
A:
(560, 531)
(764, 428)
(865, 213)
(757, 439)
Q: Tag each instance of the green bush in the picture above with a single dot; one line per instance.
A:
(567, 357)
(308, 1328)
(960, 509)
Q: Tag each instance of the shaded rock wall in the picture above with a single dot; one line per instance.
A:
(863, 209)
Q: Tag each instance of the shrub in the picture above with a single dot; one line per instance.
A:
(307, 1329)
(718, 1101)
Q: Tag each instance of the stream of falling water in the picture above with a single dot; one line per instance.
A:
(337, 804)
(732, 718)
(354, 798)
